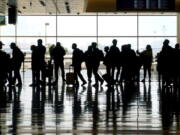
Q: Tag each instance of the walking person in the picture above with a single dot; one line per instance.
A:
(77, 59)
(17, 60)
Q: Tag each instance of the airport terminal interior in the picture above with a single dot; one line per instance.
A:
(130, 107)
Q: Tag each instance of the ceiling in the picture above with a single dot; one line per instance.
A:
(51, 7)
(45, 7)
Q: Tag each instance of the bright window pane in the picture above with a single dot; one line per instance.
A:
(77, 26)
(157, 25)
(8, 29)
(121, 41)
(36, 26)
(7, 41)
(81, 42)
(25, 43)
(117, 26)
(156, 43)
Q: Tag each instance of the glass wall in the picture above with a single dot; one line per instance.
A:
(137, 30)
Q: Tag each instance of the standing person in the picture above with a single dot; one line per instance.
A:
(3, 67)
(107, 60)
(58, 53)
(77, 59)
(114, 53)
(17, 59)
(147, 59)
(97, 56)
(34, 64)
(89, 62)
(41, 50)
(165, 62)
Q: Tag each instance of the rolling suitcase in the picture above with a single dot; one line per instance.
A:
(70, 79)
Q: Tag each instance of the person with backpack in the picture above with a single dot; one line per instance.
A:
(17, 60)
(77, 59)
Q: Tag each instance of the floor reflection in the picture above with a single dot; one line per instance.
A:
(129, 108)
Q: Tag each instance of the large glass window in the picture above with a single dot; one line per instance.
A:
(84, 29)
(157, 25)
(117, 25)
(77, 26)
(36, 26)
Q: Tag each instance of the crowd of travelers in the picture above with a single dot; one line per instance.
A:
(122, 64)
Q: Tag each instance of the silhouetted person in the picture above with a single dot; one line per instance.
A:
(165, 62)
(147, 59)
(114, 53)
(128, 58)
(77, 59)
(3, 67)
(107, 60)
(50, 52)
(34, 64)
(176, 71)
(17, 59)
(58, 56)
(97, 56)
(89, 62)
(41, 50)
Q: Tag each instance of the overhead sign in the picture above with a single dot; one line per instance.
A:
(168, 5)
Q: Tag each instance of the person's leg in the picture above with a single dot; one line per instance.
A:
(75, 75)
(80, 76)
(56, 72)
(144, 69)
(89, 72)
(62, 71)
(149, 72)
(117, 74)
(97, 76)
(18, 76)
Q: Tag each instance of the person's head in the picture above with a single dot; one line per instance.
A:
(114, 42)
(148, 47)
(166, 42)
(94, 44)
(74, 46)
(13, 45)
(33, 47)
(106, 49)
(177, 46)
(128, 46)
(58, 44)
(1, 44)
(39, 41)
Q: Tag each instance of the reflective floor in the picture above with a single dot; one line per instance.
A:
(136, 109)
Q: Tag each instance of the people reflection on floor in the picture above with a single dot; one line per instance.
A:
(146, 58)
(57, 54)
(41, 50)
(77, 59)
(17, 60)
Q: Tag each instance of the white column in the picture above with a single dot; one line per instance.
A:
(178, 27)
